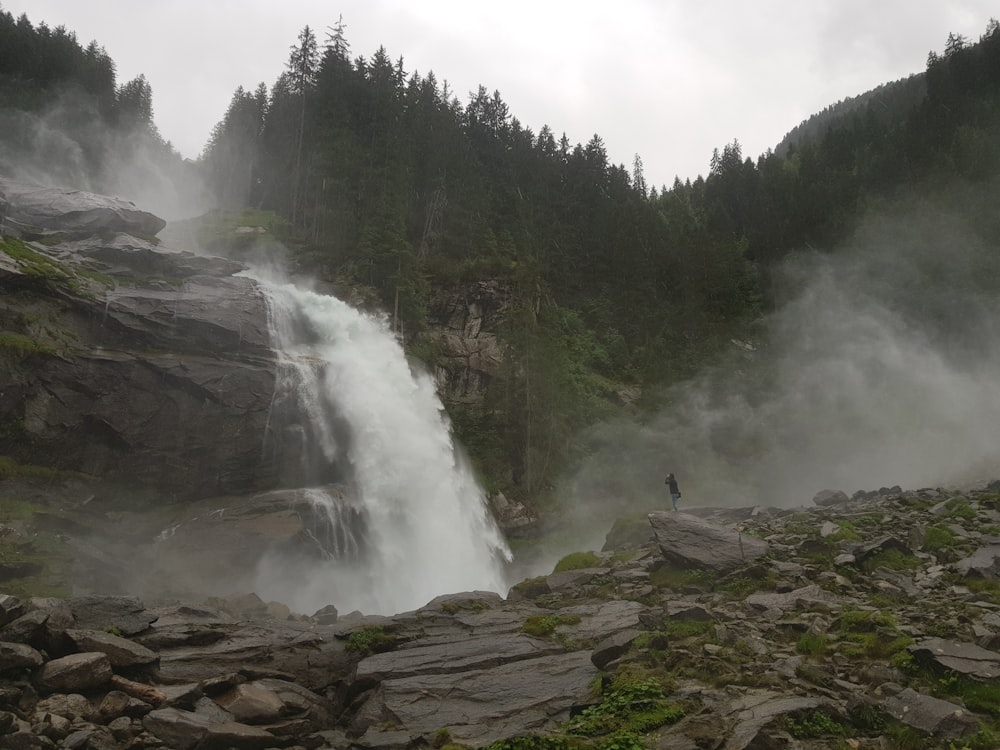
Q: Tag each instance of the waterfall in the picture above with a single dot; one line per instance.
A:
(416, 525)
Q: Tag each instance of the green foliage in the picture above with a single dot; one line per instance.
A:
(369, 640)
(985, 738)
(846, 532)
(668, 576)
(9, 467)
(635, 707)
(864, 620)
(938, 538)
(17, 346)
(894, 559)
(980, 696)
(990, 587)
(812, 644)
(960, 507)
(814, 724)
(537, 742)
(474, 605)
(577, 561)
(545, 625)
(688, 628)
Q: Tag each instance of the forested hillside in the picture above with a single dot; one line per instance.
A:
(65, 120)
(388, 180)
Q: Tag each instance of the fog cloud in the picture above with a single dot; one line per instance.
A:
(881, 366)
(69, 145)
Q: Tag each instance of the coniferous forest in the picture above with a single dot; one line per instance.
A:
(386, 179)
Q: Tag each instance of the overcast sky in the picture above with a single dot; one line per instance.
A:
(667, 79)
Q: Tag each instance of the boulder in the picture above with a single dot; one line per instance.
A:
(124, 614)
(983, 563)
(32, 208)
(75, 672)
(183, 730)
(689, 541)
(453, 656)
(121, 652)
(932, 715)
(964, 658)
(10, 609)
(481, 706)
(18, 656)
(826, 498)
(613, 647)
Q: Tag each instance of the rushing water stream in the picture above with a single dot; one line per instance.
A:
(415, 524)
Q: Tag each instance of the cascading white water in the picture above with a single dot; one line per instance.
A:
(427, 529)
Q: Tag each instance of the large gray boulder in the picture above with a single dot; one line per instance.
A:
(74, 673)
(983, 563)
(690, 541)
(932, 715)
(481, 706)
(32, 208)
(964, 658)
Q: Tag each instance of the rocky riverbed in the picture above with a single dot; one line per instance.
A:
(870, 621)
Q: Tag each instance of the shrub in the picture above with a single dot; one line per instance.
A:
(815, 724)
(369, 640)
(634, 707)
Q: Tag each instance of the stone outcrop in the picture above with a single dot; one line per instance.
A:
(691, 542)
(464, 323)
(34, 209)
(124, 359)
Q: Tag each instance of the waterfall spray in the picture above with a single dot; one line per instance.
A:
(419, 526)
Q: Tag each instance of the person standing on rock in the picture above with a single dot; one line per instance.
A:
(675, 494)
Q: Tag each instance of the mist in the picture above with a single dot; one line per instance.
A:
(879, 367)
(68, 145)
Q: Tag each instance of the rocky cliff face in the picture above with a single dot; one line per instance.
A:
(464, 323)
(868, 622)
(124, 359)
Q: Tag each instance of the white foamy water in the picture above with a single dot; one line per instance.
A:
(428, 531)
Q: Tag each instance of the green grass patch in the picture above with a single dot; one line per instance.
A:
(980, 696)
(938, 538)
(813, 644)
(577, 561)
(9, 468)
(986, 586)
(864, 621)
(19, 347)
(846, 532)
(14, 510)
(814, 724)
(370, 639)
(688, 628)
(893, 559)
(538, 742)
(541, 626)
(670, 577)
(960, 507)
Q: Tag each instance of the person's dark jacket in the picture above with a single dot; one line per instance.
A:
(671, 482)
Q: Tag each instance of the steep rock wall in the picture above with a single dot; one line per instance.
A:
(126, 360)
